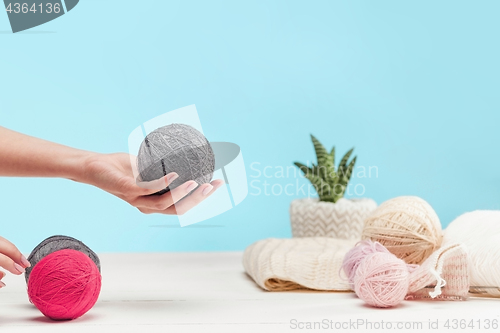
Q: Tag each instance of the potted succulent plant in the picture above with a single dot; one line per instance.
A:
(331, 214)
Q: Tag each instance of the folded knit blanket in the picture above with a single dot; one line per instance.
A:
(298, 263)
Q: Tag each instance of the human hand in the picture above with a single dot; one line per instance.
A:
(11, 259)
(113, 173)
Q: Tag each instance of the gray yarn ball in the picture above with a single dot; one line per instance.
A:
(176, 148)
(56, 243)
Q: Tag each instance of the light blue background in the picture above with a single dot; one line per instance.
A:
(414, 86)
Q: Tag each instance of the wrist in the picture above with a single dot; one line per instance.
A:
(78, 165)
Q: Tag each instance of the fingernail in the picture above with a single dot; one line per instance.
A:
(220, 183)
(25, 261)
(207, 190)
(2, 275)
(2, 284)
(171, 177)
(19, 268)
(192, 186)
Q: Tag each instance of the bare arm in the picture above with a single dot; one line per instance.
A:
(25, 156)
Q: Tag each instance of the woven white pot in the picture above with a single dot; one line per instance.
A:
(343, 219)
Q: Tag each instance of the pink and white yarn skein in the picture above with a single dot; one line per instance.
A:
(377, 276)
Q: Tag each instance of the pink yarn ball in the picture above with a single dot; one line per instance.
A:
(381, 279)
(353, 258)
(64, 285)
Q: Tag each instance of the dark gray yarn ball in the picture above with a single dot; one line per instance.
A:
(56, 243)
(176, 148)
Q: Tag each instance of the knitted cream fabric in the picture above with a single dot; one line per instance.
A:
(446, 269)
(298, 263)
(315, 263)
(344, 219)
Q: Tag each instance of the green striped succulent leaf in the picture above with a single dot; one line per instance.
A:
(328, 182)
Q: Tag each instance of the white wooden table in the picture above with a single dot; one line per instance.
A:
(209, 292)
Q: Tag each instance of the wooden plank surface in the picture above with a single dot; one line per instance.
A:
(209, 292)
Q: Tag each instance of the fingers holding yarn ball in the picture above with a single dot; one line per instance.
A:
(200, 194)
(162, 202)
(151, 187)
(10, 265)
(407, 226)
(179, 200)
(11, 258)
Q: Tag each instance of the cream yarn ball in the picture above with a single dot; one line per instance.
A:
(479, 231)
(407, 226)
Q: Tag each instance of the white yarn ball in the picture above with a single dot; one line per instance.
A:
(479, 231)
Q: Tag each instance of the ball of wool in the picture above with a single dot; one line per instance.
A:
(56, 243)
(355, 255)
(381, 280)
(407, 226)
(64, 285)
(479, 232)
(176, 148)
